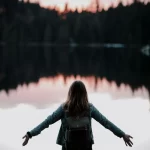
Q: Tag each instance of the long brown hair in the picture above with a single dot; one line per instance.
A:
(77, 100)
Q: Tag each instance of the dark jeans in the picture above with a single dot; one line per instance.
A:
(73, 148)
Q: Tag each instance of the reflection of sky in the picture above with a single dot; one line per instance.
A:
(51, 90)
(130, 114)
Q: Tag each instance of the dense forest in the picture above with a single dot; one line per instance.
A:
(24, 22)
(32, 44)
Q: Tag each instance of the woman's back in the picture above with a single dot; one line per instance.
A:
(77, 130)
(75, 115)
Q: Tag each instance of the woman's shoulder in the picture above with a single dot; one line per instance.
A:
(91, 106)
(62, 105)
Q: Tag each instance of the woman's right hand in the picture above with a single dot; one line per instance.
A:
(26, 137)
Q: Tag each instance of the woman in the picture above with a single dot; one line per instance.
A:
(76, 104)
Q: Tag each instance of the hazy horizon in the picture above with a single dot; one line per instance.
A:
(73, 4)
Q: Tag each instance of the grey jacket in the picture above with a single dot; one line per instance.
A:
(60, 114)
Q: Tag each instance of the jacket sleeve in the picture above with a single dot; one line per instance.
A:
(105, 122)
(54, 117)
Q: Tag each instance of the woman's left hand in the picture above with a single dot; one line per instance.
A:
(127, 140)
(26, 137)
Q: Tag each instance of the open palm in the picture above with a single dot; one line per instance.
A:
(26, 137)
(127, 140)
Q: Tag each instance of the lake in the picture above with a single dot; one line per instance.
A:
(26, 106)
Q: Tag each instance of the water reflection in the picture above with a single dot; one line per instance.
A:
(28, 64)
(130, 114)
(51, 90)
(29, 105)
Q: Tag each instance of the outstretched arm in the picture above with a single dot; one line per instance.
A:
(109, 125)
(105, 122)
(56, 115)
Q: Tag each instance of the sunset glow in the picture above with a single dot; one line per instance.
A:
(46, 91)
(84, 4)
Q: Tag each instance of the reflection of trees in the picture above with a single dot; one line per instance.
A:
(128, 66)
(23, 25)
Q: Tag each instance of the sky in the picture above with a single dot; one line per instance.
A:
(26, 107)
(132, 116)
(105, 4)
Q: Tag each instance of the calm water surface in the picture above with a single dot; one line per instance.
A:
(27, 106)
